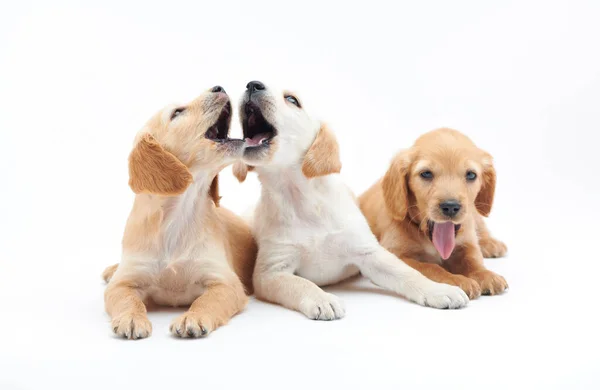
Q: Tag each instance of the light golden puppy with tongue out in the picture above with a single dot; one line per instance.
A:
(428, 208)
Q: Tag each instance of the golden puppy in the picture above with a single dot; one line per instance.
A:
(426, 210)
(179, 246)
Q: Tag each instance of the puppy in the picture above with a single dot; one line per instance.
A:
(179, 246)
(308, 226)
(426, 210)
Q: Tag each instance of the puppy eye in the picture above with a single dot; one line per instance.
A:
(471, 176)
(177, 112)
(292, 100)
(427, 175)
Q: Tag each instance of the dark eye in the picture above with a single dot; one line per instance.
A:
(177, 112)
(292, 100)
(471, 176)
(428, 175)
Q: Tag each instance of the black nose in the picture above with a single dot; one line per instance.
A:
(217, 88)
(254, 86)
(450, 207)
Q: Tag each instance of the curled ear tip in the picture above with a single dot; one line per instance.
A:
(187, 176)
(147, 137)
(240, 177)
(240, 171)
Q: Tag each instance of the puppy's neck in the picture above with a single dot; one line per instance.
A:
(277, 178)
(288, 190)
(414, 216)
(165, 222)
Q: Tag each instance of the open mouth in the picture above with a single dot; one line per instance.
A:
(442, 235)
(257, 131)
(220, 130)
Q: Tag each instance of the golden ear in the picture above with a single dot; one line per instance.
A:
(240, 170)
(153, 170)
(213, 191)
(395, 185)
(323, 157)
(485, 197)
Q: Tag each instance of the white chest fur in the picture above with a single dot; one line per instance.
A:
(184, 250)
(316, 224)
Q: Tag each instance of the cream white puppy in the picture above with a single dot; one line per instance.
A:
(308, 226)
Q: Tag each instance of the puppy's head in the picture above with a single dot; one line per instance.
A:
(180, 141)
(438, 183)
(278, 131)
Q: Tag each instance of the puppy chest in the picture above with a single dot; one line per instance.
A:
(323, 260)
(177, 284)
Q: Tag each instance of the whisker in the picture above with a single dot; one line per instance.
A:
(420, 224)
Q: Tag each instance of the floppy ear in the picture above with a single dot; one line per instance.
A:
(240, 170)
(323, 157)
(485, 197)
(153, 170)
(213, 191)
(395, 185)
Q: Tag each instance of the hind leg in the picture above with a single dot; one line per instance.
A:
(108, 272)
(490, 247)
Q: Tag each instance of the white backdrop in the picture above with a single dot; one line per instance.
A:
(522, 78)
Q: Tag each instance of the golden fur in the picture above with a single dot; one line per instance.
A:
(399, 207)
(179, 246)
(323, 156)
(240, 170)
(153, 170)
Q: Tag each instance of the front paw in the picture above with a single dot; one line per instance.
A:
(491, 248)
(490, 282)
(191, 324)
(468, 285)
(324, 306)
(443, 296)
(132, 326)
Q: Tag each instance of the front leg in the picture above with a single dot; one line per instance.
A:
(468, 261)
(222, 299)
(274, 281)
(297, 293)
(438, 274)
(386, 270)
(124, 304)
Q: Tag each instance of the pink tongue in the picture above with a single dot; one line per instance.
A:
(443, 238)
(257, 139)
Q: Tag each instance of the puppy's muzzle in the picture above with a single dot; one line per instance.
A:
(257, 130)
(450, 207)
